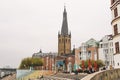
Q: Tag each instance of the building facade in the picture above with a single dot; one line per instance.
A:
(64, 60)
(64, 38)
(87, 51)
(65, 63)
(48, 59)
(115, 9)
(105, 51)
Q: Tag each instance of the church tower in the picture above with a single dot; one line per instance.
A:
(64, 37)
(115, 10)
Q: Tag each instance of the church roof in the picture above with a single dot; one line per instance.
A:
(64, 30)
(92, 42)
(70, 54)
(40, 54)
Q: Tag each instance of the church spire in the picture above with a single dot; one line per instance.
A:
(64, 30)
(64, 39)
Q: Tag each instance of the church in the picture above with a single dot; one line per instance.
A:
(63, 60)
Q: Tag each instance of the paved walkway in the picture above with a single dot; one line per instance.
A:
(10, 77)
(88, 77)
(63, 76)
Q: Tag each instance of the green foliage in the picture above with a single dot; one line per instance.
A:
(26, 63)
(100, 63)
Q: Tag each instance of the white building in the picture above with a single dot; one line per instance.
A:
(83, 53)
(89, 50)
(105, 50)
(115, 9)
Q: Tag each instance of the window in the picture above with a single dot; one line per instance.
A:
(106, 50)
(115, 29)
(89, 53)
(80, 53)
(101, 46)
(117, 47)
(59, 40)
(66, 40)
(110, 50)
(80, 58)
(105, 45)
(118, 64)
(69, 40)
(115, 12)
(63, 40)
(61, 53)
(112, 1)
(111, 44)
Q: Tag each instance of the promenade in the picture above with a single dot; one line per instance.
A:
(64, 76)
(88, 77)
(48, 75)
(113, 74)
(10, 77)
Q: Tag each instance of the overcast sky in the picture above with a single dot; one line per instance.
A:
(26, 26)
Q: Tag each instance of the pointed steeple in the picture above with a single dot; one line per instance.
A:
(64, 30)
(64, 38)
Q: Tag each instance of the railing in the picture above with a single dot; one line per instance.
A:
(104, 75)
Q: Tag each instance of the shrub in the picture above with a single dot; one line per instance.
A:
(26, 63)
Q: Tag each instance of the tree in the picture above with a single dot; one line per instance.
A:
(26, 63)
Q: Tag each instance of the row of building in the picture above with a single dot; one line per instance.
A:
(107, 49)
